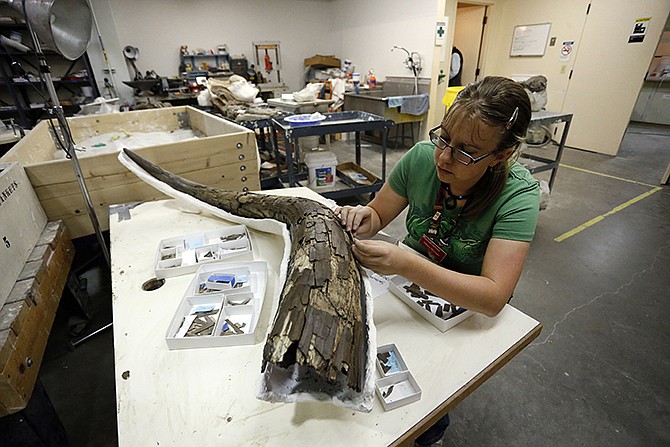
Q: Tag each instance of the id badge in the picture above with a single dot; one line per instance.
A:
(434, 250)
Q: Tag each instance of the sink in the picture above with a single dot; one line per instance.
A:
(375, 100)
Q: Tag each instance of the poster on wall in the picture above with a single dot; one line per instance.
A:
(530, 40)
(639, 30)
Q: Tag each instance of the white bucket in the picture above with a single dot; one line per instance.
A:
(322, 166)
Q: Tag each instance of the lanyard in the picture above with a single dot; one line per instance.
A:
(430, 239)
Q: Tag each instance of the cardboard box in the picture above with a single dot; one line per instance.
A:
(354, 175)
(226, 157)
(206, 315)
(320, 61)
(22, 220)
(448, 316)
(397, 386)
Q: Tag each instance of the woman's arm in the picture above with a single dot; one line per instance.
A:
(486, 294)
(366, 221)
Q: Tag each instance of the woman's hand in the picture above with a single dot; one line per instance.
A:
(379, 256)
(361, 221)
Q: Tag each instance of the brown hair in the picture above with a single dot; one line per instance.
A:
(501, 103)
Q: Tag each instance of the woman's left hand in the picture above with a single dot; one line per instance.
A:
(379, 256)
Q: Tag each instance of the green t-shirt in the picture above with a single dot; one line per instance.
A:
(512, 216)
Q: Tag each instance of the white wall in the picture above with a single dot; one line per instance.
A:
(607, 70)
(365, 32)
(361, 31)
(567, 20)
(159, 27)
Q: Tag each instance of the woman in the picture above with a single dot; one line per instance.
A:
(472, 208)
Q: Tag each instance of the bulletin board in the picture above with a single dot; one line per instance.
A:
(530, 40)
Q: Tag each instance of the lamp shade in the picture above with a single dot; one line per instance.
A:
(63, 25)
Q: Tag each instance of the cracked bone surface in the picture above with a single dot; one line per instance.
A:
(320, 324)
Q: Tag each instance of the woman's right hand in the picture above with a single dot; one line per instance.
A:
(362, 221)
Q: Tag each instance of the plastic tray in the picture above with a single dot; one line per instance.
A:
(397, 386)
(227, 316)
(305, 119)
(444, 319)
(182, 255)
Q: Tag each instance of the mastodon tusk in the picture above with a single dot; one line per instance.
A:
(322, 325)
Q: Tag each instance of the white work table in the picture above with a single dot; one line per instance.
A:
(206, 397)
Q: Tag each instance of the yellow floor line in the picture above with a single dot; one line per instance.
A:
(606, 175)
(595, 220)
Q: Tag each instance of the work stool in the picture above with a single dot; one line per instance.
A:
(398, 140)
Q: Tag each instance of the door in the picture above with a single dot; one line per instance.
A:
(609, 71)
(468, 38)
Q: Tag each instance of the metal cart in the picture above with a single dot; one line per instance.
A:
(336, 122)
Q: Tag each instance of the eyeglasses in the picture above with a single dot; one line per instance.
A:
(458, 154)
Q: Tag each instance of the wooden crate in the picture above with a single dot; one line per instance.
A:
(22, 220)
(226, 158)
(27, 316)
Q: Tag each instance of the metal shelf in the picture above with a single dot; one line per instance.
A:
(547, 118)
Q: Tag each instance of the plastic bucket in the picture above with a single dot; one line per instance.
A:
(322, 167)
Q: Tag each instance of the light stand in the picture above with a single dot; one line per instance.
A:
(66, 26)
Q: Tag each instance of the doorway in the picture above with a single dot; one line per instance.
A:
(469, 38)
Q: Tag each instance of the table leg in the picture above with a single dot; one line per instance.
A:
(289, 160)
(385, 132)
(559, 153)
(358, 148)
(276, 152)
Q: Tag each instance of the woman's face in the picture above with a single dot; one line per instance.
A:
(475, 138)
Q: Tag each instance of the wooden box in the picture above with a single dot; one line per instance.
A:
(22, 220)
(227, 157)
(27, 316)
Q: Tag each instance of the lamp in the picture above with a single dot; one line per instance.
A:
(65, 26)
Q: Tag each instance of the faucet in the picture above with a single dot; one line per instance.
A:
(413, 62)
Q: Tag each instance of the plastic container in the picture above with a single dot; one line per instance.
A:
(372, 79)
(322, 166)
(450, 95)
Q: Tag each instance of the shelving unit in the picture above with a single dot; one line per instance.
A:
(222, 61)
(23, 98)
(538, 163)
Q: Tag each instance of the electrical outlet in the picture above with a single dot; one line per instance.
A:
(564, 68)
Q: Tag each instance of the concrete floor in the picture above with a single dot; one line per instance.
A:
(598, 373)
